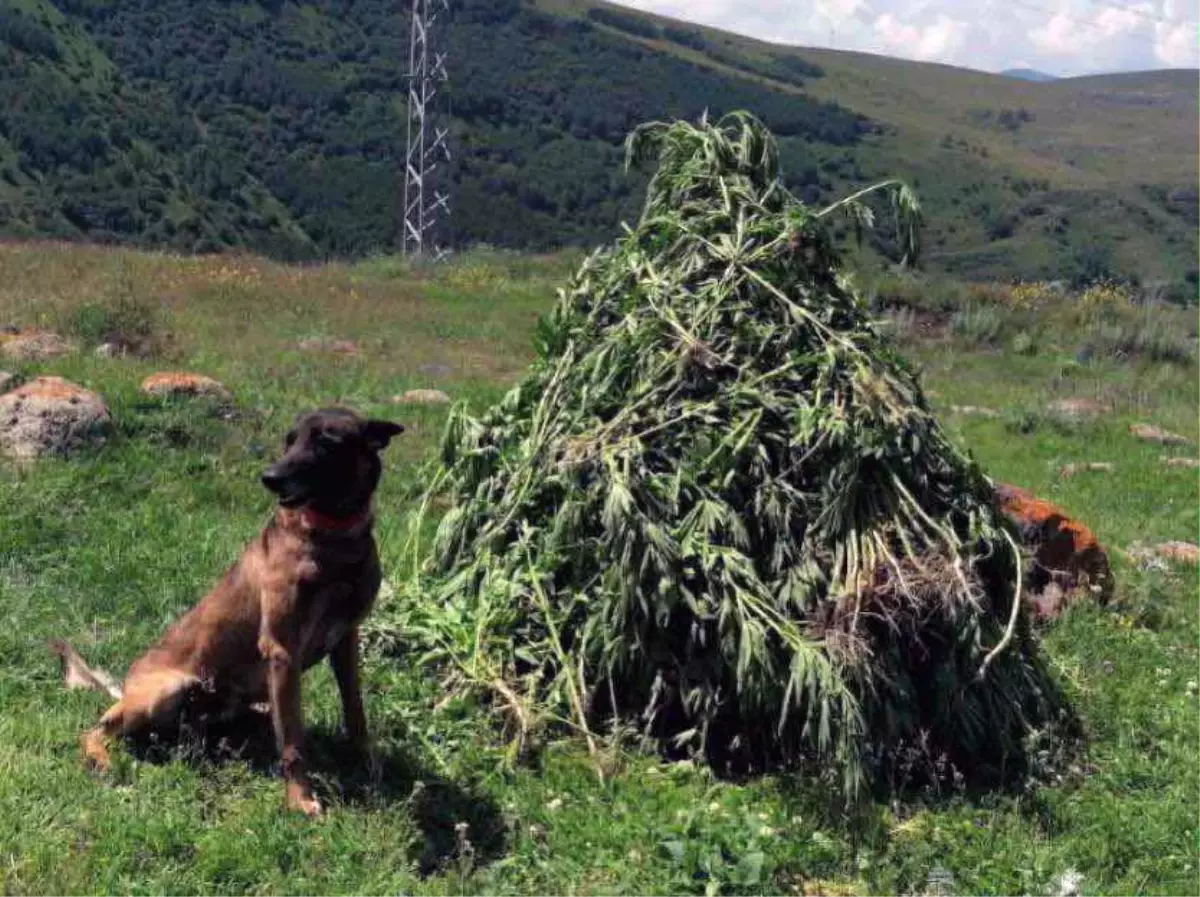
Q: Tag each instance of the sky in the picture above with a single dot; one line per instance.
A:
(1059, 37)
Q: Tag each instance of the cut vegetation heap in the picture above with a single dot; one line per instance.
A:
(719, 509)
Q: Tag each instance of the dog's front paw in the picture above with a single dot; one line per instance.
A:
(94, 747)
(301, 799)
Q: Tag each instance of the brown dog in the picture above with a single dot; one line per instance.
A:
(297, 594)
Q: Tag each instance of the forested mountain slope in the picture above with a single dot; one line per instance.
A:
(279, 127)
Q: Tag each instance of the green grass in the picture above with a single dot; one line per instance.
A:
(106, 548)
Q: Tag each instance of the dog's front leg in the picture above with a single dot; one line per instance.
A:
(283, 686)
(344, 660)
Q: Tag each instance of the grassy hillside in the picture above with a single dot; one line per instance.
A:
(279, 126)
(1076, 178)
(106, 547)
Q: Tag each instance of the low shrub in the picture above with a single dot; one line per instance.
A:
(912, 290)
(979, 324)
(123, 317)
(1151, 333)
(1024, 344)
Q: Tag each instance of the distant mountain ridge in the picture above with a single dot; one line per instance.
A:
(279, 127)
(1029, 75)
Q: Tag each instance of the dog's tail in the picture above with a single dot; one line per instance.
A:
(78, 674)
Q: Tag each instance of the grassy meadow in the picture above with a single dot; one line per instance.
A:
(107, 547)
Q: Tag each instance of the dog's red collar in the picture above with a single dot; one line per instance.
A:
(315, 519)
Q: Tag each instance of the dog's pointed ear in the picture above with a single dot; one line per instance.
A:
(378, 433)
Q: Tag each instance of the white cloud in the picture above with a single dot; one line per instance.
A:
(1065, 37)
(938, 40)
(841, 10)
(1057, 37)
(1176, 45)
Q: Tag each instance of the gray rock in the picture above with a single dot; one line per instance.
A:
(1151, 433)
(34, 345)
(48, 416)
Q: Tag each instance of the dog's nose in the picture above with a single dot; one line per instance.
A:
(273, 479)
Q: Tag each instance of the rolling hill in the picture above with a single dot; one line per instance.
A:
(1029, 75)
(279, 126)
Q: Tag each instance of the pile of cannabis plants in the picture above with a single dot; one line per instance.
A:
(718, 509)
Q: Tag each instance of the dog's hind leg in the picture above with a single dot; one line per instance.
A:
(344, 661)
(154, 697)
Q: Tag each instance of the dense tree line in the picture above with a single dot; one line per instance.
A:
(26, 35)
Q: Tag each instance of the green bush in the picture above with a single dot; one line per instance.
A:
(123, 317)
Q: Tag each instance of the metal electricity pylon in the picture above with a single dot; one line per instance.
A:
(424, 204)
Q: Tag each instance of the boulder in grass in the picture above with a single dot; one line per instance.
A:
(1181, 462)
(1151, 433)
(1067, 558)
(719, 508)
(1079, 407)
(7, 381)
(1159, 557)
(48, 416)
(332, 346)
(422, 397)
(185, 385)
(34, 345)
(975, 410)
(1180, 552)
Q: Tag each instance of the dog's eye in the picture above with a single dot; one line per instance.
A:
(328, 440)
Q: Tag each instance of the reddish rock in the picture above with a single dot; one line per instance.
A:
(1180, 552)
(180, 384)
(1067, 557)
